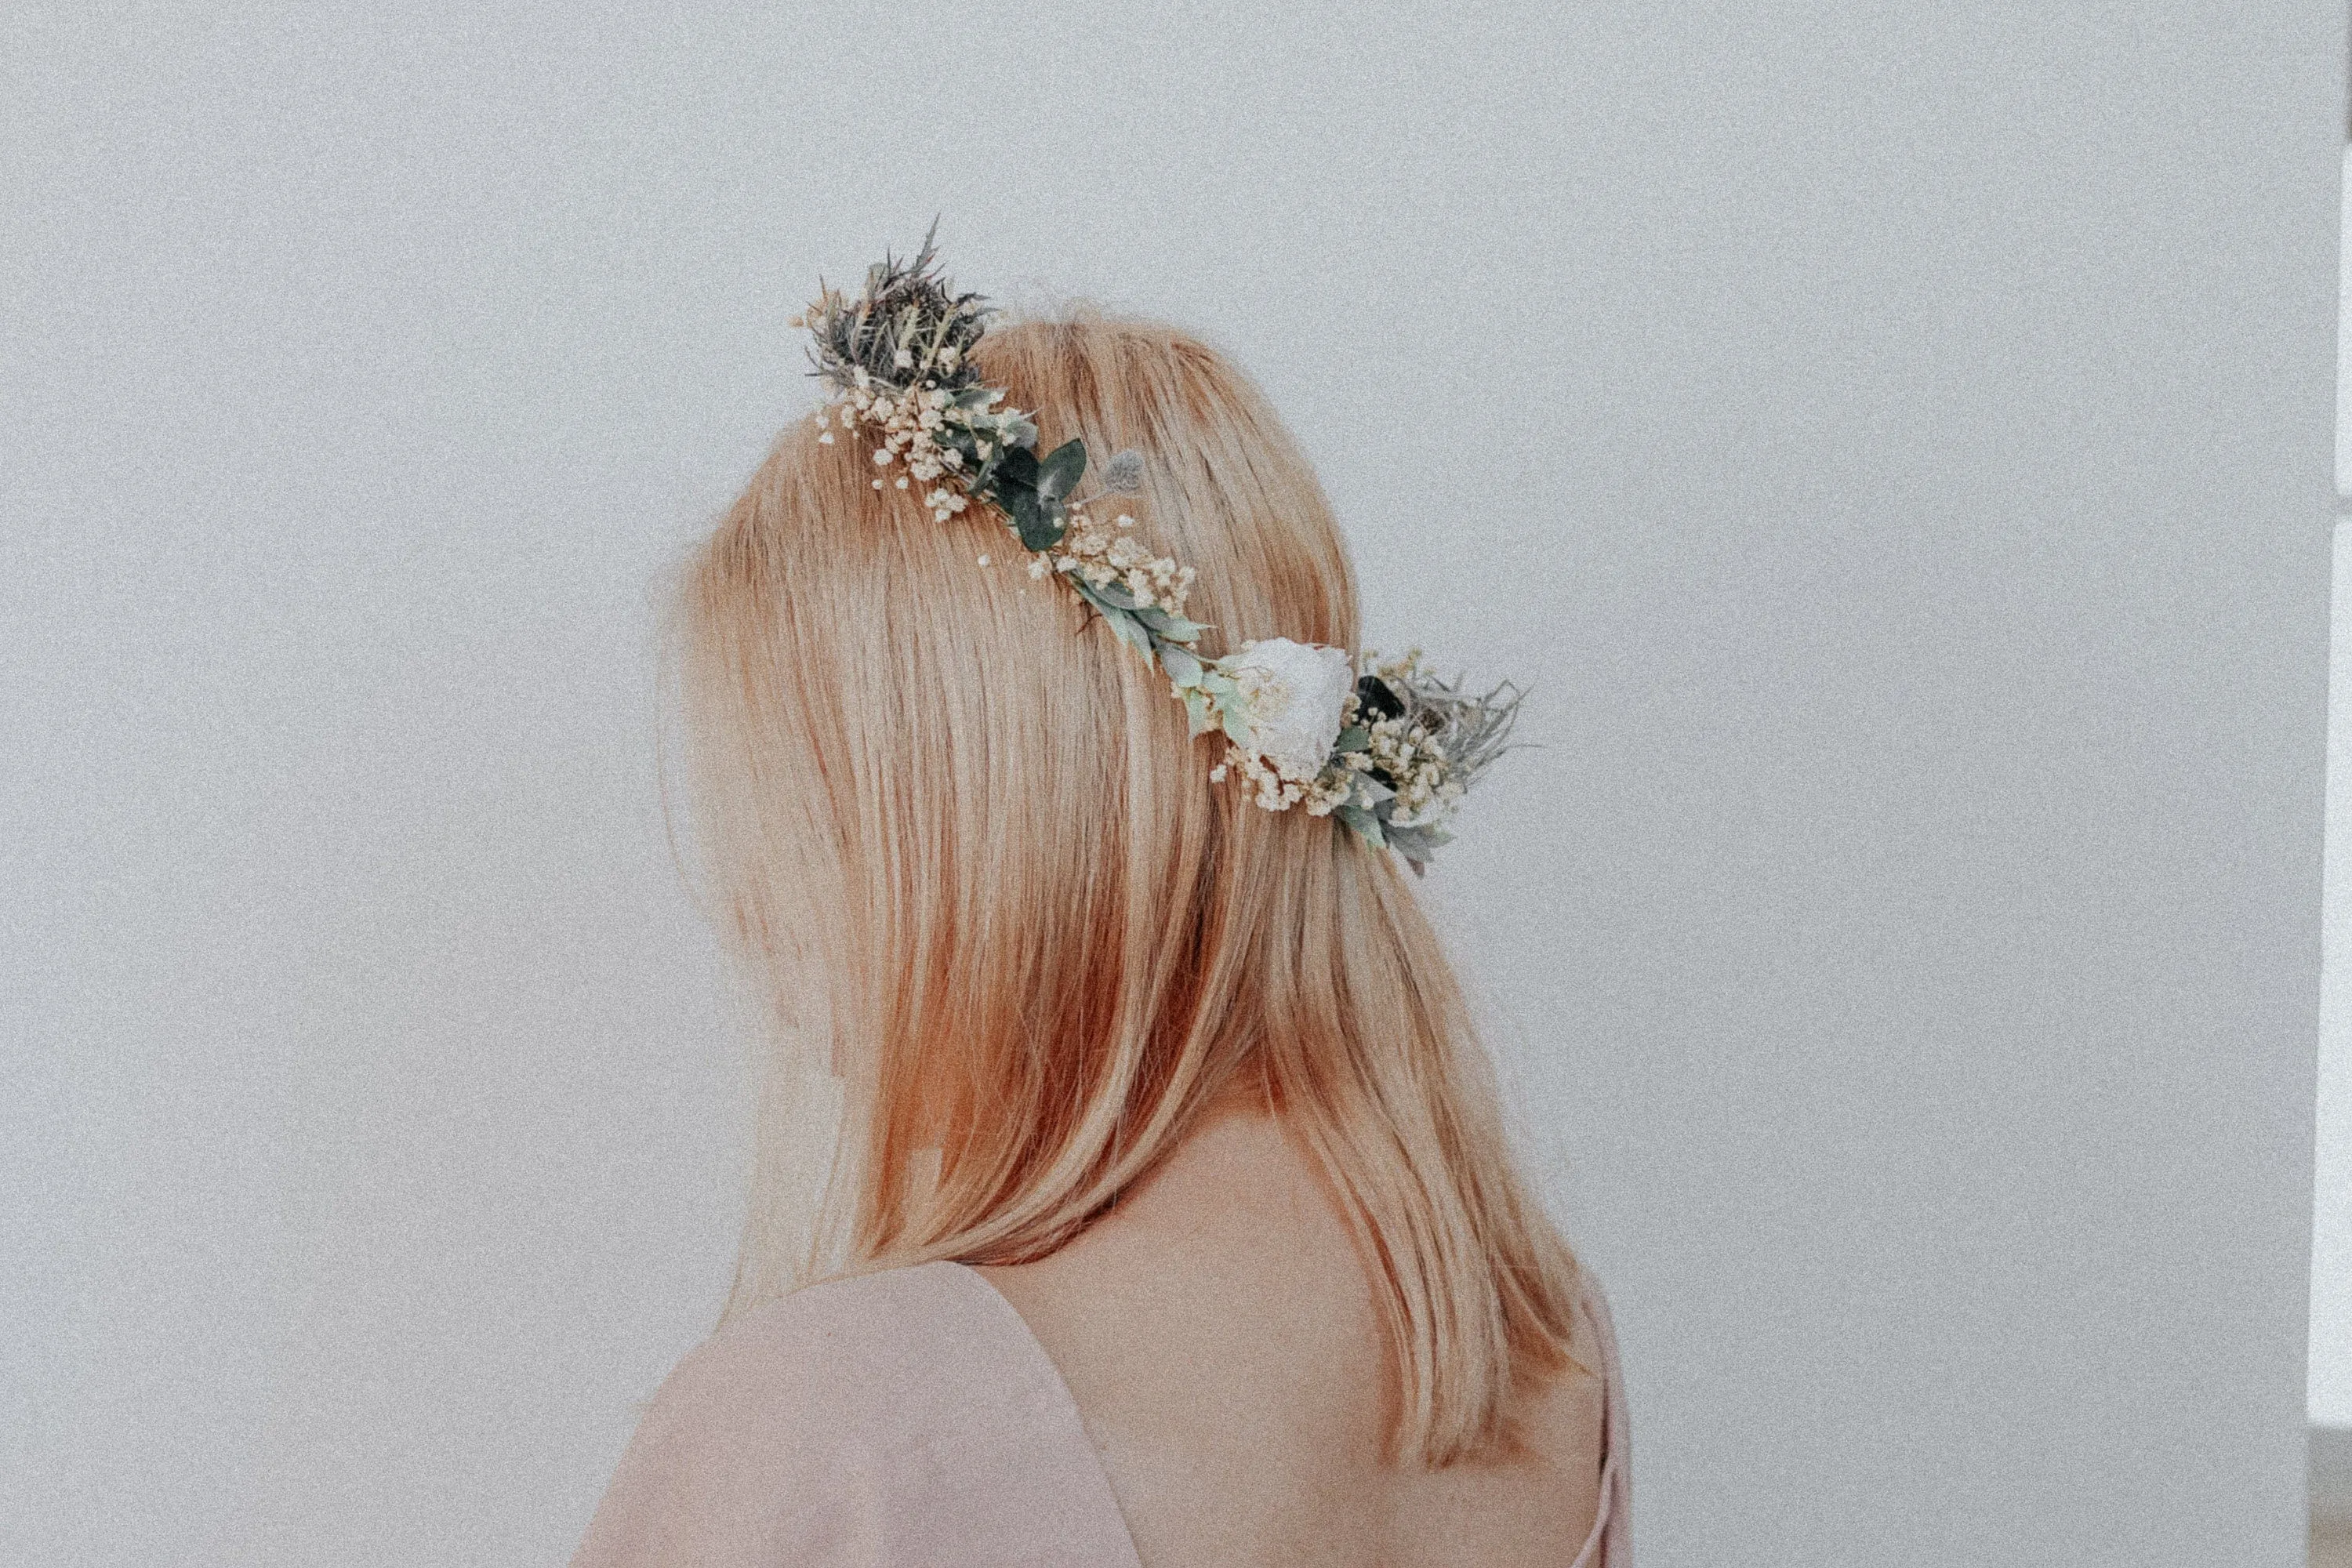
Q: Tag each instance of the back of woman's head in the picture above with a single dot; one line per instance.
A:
(967, 842)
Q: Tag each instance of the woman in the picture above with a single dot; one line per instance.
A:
(1171, 1219)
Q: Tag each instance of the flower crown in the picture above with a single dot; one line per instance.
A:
(1383, 745)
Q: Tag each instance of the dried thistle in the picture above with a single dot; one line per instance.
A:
(908, 327)
(1470, 731)
(1414, 745)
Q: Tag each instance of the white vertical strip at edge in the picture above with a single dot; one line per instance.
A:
(2344, 333)
(2330, 1385)
(2330, 1367)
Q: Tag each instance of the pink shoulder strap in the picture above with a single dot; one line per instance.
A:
(1610, 1544)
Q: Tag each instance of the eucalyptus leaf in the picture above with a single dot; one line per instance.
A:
(1175, 627)
(1196, 711)
(1017, 465)
(1417, 845)
(1038, 524)
(1183, 668)
(1130, 631)
(1367, 826)
(1355, 738)
(1058, 475)
(1102, 598)
(1236, 720)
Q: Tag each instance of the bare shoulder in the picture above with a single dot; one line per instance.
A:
(1222, 1342)
(1535, 1503)
(1217, 1336)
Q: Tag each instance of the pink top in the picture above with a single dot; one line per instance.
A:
(905, 1417)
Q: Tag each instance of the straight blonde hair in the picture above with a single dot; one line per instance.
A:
(978, 869)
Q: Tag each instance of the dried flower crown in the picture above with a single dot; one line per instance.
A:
(1383, 745)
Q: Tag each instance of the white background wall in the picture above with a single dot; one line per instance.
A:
(1893, 439)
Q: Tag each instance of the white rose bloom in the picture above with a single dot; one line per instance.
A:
(1295, 693)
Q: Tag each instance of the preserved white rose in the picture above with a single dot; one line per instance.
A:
(1294, 691)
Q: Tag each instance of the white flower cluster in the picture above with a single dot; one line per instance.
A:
(1104, 554)
(1405, 749)
(1270, 791)
(902, 426)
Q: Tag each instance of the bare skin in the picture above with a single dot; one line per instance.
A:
(1219, 1334)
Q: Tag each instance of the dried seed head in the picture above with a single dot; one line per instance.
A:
(1122, 472)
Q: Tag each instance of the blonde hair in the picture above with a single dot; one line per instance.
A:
(973, 829)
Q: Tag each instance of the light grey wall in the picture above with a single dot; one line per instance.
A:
(1893, 438)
